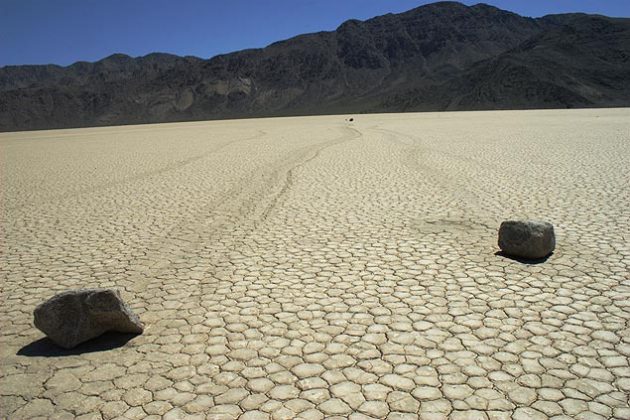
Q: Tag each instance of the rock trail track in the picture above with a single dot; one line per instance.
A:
(314, 268)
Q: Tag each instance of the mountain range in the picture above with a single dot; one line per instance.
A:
(441, 56)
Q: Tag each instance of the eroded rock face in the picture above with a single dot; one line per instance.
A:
(75, 316)
(528, 239)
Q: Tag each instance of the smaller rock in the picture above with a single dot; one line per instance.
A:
(527, 239)
(75, 316)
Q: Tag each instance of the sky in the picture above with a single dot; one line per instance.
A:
(65, 31)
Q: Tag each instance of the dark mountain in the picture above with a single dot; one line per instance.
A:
(442, 56)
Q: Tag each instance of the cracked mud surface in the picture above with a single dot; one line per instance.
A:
(312, 268)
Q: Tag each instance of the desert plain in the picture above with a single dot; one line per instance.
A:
(313, 267)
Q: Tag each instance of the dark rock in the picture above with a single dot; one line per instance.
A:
(440, 56)
(75, 316)
(527, 239)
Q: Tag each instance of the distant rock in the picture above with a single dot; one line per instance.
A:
(527, 238)
(75, 316)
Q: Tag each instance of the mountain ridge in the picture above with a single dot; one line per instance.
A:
(441, 56)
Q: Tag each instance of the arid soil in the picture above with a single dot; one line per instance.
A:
(314, 267)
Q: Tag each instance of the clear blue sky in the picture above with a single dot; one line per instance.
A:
(65, 31)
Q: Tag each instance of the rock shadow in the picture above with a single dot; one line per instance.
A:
(528, 261)
(45, 347)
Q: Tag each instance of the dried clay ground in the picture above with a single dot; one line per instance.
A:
(317, 268)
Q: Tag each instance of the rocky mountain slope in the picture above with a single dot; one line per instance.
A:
(442, 56)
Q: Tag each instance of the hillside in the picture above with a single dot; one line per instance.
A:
(442, 56)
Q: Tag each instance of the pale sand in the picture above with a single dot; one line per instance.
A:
(311, 267)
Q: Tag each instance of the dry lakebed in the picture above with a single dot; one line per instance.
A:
(313, 267)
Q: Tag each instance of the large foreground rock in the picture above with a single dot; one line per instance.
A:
(75, 316)
(527, 238)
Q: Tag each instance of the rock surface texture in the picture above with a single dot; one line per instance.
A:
(528, 239)
(73, 317)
